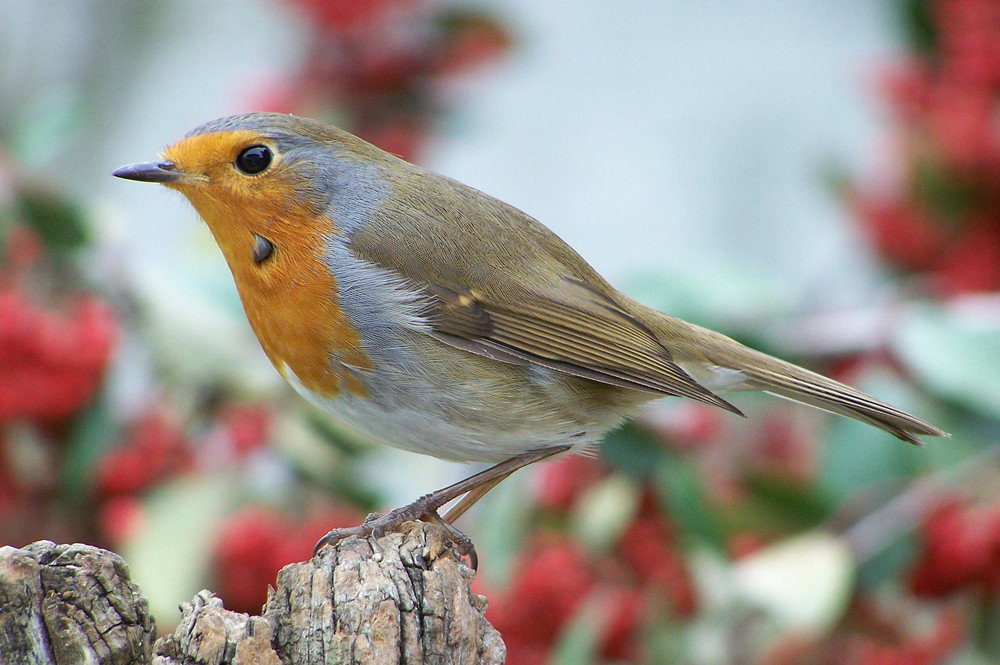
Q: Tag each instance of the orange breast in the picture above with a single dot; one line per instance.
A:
(290, 299)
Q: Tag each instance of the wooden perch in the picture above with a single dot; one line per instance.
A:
(70, 604)
(405, 599)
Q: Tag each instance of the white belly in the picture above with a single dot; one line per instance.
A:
(478, 435)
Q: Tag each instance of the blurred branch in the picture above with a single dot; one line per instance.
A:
(854, 331)
(871, 534)
(404, 598)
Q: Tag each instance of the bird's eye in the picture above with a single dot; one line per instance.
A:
(262, 248)
(254, 160)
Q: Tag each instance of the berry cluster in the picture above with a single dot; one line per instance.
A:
(696, 476)
(51, 361)
(871, 634)
(375, 67)
(941, 215)
(55, 347)
(257, 542)
(553, 581)
(960, 550)
(53, 351)
(155, 449)
(642, 582)
(555, 578)
(152, 450)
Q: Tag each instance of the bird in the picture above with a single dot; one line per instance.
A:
(430, 316)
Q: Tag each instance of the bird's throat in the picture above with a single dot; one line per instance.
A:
(291, 300)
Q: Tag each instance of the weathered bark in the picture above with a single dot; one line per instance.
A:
(402, 599)
(70, 604)
(209, 634)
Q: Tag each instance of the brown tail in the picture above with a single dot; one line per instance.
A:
(800, 385)
(722, 364)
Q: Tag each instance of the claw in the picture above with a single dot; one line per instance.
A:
(334, 536)
(463, 544)
(426, 507)
(377, 552)
(473, 558)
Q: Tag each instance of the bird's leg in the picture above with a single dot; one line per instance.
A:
(427, 506)
(462, 542)
(471, 497)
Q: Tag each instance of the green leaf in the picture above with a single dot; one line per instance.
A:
(630, 450)
(712, 295)
(775, 506)
(94, 431)
(501, 527)
(51, 121)
(338, 436)
(918, 26)
(805, 581)
(309, 443)
(678, 483)
(57, 219)
(944, 192)
(670, 641)
(170, 554)
(858, 456)
(968, 655)
(888, 563)
(674, 479)
(986, 628)
(957, 355)
(578, 643)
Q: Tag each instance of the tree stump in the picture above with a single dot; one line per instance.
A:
(403, 598)
(70, 604)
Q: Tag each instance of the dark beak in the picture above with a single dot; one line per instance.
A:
(164, 172)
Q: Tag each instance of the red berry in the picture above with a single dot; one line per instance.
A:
(957, 552)
(153, 450)
(248, 426)
(548, 586)
(243, 565)
(908, 87)
(299, 543)
(558, 484)
(120, 516)
(51, 363)
(647, 547)
(901, 230)
(973, 262)
(22, 247)
(124, 471)
(780, 448)
(345, 15)
(621, 612)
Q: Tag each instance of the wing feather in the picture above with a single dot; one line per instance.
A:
(501, 285)
(594, 341)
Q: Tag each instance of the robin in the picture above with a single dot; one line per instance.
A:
(432, 317)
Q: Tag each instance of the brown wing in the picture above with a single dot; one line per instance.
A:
(503, 286)
(592, 338)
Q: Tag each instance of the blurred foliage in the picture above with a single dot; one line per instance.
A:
(917, 25)
(57, 220)
(134, 414)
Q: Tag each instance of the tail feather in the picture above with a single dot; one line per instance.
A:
(801, 385)
(723, 364)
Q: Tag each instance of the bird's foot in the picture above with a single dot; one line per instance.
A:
(376, 525)
(426, 507)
